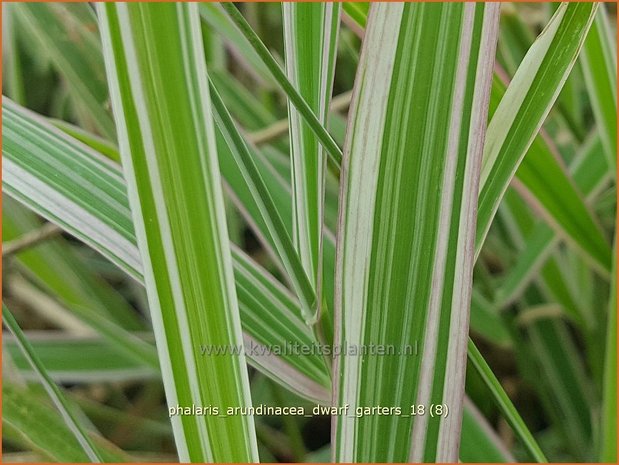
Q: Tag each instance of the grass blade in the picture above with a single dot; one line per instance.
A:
(504, 403)
(158, 82)
(267, 211)
(520, 114)
(389, 231)
(534, 89)
(52, 389)
(101, 145)
(589, 172)
(77, 359)
(66, 32)
(358, 12)
(58, 177)
(52, 166)
(487, 322)
(295, 98)
(84, 193)
(599, 63)
(29, 421)
(479, 442)
(561, 375)
(11, 59)
(310, 38)
(56, 267)
(244, 106)
(608, 442)
(218, 22)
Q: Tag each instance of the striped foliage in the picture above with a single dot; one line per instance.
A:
(589, 172)
(30, 421)
(310, 38)
(70, 417)
(410, 178)
(608, 418)
(426, 193)
(599, 63)
(513, 148)
(279, 75)
(269, 314)
(157, 76)
(67, 34)
(519, 116)
(43, 168)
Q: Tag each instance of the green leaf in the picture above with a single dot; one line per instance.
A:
(244, 194)
(33, 151)
(310, 39)
(242, 104)
(589, 172)
(100, 144)
(504, 404)
(480, 443)
(514, 39)
(56, 267)
(67, 33)
(599, 63)
(13, 85)
(546, 184)
(410, 177)
(358, 12)
(561, 375)
(608, 436)
(512, 133)
(54, 392)
(486, 321)
(268, 215)
(515, 123)
(58, 177)
(295, 98)
(215, 17)
(157, 75)
(268, 312)
(29, 421)
(70, 359)
(41, 163)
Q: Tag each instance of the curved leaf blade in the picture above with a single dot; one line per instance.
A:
(83, 192)
(519, 116)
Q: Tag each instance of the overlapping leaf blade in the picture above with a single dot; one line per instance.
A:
(69, 416)
(293, 95)
(259, 199)
(599, 62)
(533, 90)
(519, 116)
(608, 442)
(589, 172)
(66, 32)
(266, 307)
(58, 269)
(71, 359)
(73, 186)
(218, 22)
(310, 38)
(29, 420)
